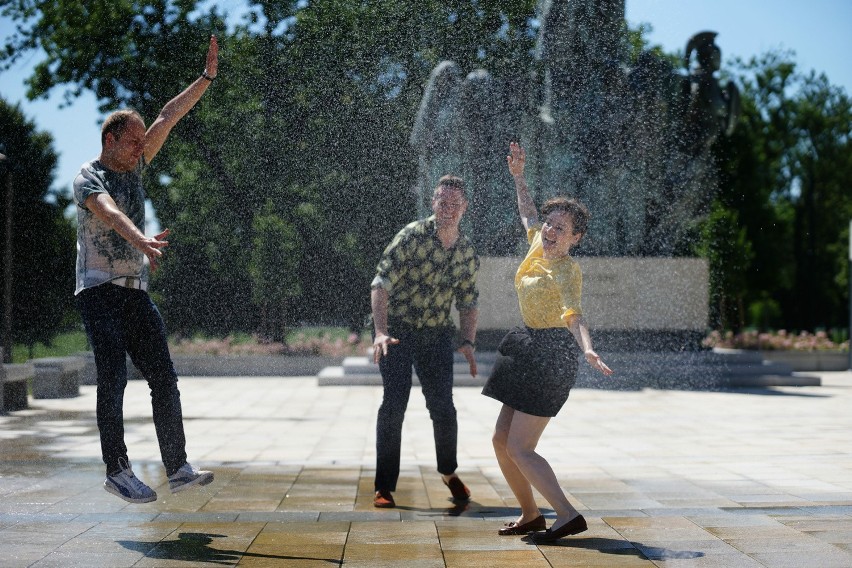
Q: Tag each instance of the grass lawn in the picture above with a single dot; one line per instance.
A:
(63, 345)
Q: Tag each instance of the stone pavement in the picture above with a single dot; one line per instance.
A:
(664, 478)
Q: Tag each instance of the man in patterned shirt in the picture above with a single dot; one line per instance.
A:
(427, 265)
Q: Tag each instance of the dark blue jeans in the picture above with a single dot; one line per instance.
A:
(122, 321)
(430, 352)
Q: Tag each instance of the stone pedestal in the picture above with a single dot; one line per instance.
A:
(647, 317)
(632, 303)
(634, 370)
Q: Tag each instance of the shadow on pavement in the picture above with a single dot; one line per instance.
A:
(455, 510)
(617, 547)
(196, 547)
(773, 392)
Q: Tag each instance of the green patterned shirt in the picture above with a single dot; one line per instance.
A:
(422, 278)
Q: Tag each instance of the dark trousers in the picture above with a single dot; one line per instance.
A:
(430, 352)
(122, 321)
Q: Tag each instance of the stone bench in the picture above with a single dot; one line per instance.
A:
(89, 374)
(14, 384)
(57, 377)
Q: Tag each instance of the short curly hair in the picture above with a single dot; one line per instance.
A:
(579, 213)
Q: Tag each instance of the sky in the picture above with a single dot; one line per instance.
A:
(816, 30)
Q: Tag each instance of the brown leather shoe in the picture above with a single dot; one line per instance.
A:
(383, 500)
(513, 528)
(574, 526)
(458, 489)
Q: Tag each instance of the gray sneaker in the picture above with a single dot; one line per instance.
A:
(126, 485)
(187, 476)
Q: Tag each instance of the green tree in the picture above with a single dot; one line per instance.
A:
(139, 54)
(43, 239)
(357, 71)
(821, 199)
(274, 271)
(725, 245)
(783, 172)
(311, 113)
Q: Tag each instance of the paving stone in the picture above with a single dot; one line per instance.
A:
(664, 478)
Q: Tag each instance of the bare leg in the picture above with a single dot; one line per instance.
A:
(519, 485)
(524, 433)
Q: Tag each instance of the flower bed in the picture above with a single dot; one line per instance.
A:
(780, 340)
(324, 343)
(803, 351)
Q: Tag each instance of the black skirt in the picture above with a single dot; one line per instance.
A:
(535, 370)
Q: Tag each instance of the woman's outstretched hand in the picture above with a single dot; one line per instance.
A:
(595, 361)
(516, 159)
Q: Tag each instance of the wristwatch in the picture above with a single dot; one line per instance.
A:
(467, 342)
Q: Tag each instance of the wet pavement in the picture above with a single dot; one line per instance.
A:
(664, 478)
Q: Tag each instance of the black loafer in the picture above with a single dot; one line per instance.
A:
(574, 526)
(513, 528)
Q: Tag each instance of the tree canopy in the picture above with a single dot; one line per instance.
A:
(300, 150)
(43, 241)
(783, 176)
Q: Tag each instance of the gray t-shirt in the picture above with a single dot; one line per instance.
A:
(103, 254)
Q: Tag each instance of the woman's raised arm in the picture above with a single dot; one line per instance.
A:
(516, 160)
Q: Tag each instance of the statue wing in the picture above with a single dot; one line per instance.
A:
(440, 94)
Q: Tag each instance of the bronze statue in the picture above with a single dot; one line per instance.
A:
(711, 110)
(458, 125)
(633, 143)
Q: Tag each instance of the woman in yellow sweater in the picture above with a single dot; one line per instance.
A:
(537, 363)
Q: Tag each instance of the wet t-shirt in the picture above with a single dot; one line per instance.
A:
(103, 254)
(549, 290)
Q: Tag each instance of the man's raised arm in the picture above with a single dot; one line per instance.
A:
(176, 108)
